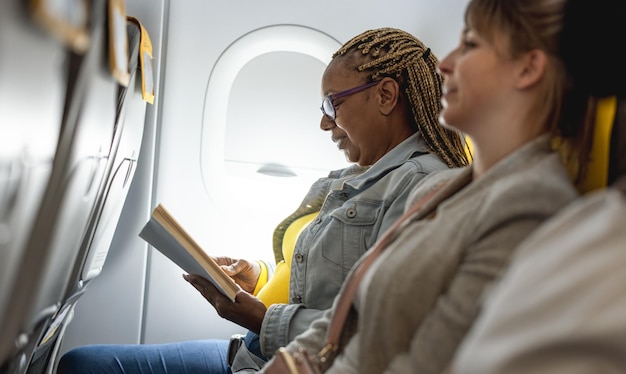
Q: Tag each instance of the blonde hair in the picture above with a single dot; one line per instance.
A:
(388, 52)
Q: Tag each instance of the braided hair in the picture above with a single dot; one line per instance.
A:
(389, 52)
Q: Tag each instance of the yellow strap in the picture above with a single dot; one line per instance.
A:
(145, 60)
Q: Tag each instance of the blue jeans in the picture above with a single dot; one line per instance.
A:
(254, 344)
(197, 356)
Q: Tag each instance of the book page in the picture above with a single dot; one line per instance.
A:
(164, 233)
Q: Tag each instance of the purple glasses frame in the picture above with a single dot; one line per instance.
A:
(328, 104)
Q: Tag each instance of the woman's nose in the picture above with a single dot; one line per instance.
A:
(326, 123)
(447, 63)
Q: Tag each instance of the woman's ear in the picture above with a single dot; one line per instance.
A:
(532, 68)
(388, 94)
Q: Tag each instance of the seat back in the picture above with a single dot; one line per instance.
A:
(129, 128)
(53, 241)
(31, 108)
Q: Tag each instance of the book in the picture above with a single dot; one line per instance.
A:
(165, 234)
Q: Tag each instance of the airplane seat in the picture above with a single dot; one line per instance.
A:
(604, 149)
(78, 167)
(31, 106)
(129, 128)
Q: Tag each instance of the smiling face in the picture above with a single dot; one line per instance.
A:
(356, 129)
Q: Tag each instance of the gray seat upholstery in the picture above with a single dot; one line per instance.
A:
(53, 241)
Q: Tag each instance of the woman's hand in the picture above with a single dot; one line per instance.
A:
(247, 310)
(245, 273)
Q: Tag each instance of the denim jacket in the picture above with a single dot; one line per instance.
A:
(357, 209)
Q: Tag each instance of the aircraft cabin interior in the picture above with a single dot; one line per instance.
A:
(111, 107)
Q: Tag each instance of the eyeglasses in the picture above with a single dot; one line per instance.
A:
(328, 104)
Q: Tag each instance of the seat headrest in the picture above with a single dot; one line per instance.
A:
(598, 166)
(608, 153)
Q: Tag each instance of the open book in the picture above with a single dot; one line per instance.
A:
(165, 234)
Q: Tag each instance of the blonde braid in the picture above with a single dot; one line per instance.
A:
(395, 53)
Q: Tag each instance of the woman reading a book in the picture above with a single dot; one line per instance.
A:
(381, 102)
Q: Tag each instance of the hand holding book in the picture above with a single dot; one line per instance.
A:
(245, 273)
(248, 311)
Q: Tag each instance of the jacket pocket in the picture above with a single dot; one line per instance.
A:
(352, 231)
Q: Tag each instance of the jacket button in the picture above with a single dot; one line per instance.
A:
(299, 257)
(297, 300)
(351, 213)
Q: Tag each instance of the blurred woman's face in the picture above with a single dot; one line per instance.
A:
(478, 83)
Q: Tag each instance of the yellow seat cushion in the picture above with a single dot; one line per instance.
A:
(276, 290)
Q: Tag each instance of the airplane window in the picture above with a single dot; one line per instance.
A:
(273, 147)
(273, 140)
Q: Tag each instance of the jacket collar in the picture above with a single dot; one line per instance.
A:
(411, 147)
